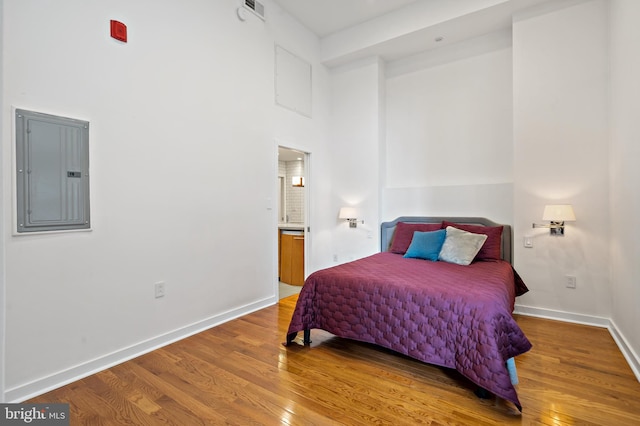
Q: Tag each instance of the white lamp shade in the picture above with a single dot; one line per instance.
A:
(348, 213)
(558, 213)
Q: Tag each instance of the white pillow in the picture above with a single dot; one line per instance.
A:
(461, 246)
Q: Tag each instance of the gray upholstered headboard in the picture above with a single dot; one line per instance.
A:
(387, 229)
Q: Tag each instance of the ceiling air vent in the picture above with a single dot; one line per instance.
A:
(256, 7)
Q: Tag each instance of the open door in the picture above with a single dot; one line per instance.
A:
(293, 219)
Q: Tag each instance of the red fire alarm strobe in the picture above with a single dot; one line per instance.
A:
(119, 31)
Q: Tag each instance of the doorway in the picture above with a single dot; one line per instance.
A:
(292, 226)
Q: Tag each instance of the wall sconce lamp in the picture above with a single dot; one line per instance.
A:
(297, 181)
(557, 215)
(349, 213)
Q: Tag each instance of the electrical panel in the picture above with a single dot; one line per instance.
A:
(52, 168)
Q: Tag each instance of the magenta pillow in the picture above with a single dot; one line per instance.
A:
(404, 234)
(491, 248)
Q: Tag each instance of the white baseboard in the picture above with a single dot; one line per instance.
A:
(562, 316)
(627, 351)
(61, 378)
(629, 354)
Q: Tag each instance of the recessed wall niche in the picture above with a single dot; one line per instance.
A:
(292, 82)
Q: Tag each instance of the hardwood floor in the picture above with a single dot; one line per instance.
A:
(239, 373)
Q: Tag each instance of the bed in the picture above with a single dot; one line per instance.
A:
(439, 312)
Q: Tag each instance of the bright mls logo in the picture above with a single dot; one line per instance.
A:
(34, 414)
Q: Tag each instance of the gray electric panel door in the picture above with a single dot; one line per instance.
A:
(52, 155)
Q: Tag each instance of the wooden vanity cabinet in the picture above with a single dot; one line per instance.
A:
(292, 257)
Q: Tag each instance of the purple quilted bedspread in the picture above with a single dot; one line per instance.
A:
(437, 312)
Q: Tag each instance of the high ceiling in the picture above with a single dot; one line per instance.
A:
(394, 29)
(324, 17)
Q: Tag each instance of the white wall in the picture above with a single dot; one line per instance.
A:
(308, 135)
(2, 214)
(483, 128)
(560, 84)
(355, 120)
(625, 174)
(449, 136)
(191, 89)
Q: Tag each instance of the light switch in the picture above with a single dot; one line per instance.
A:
(528, 242)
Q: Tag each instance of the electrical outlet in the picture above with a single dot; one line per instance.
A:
(570, 281)
(159, 289)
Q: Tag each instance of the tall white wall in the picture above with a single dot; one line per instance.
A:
(560, 87)
(449, 143)
(308, 135)
(625, 174)
(2, 220)
(192, 89)
(355, 122)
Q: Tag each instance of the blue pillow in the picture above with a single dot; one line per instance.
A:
(426, 245)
